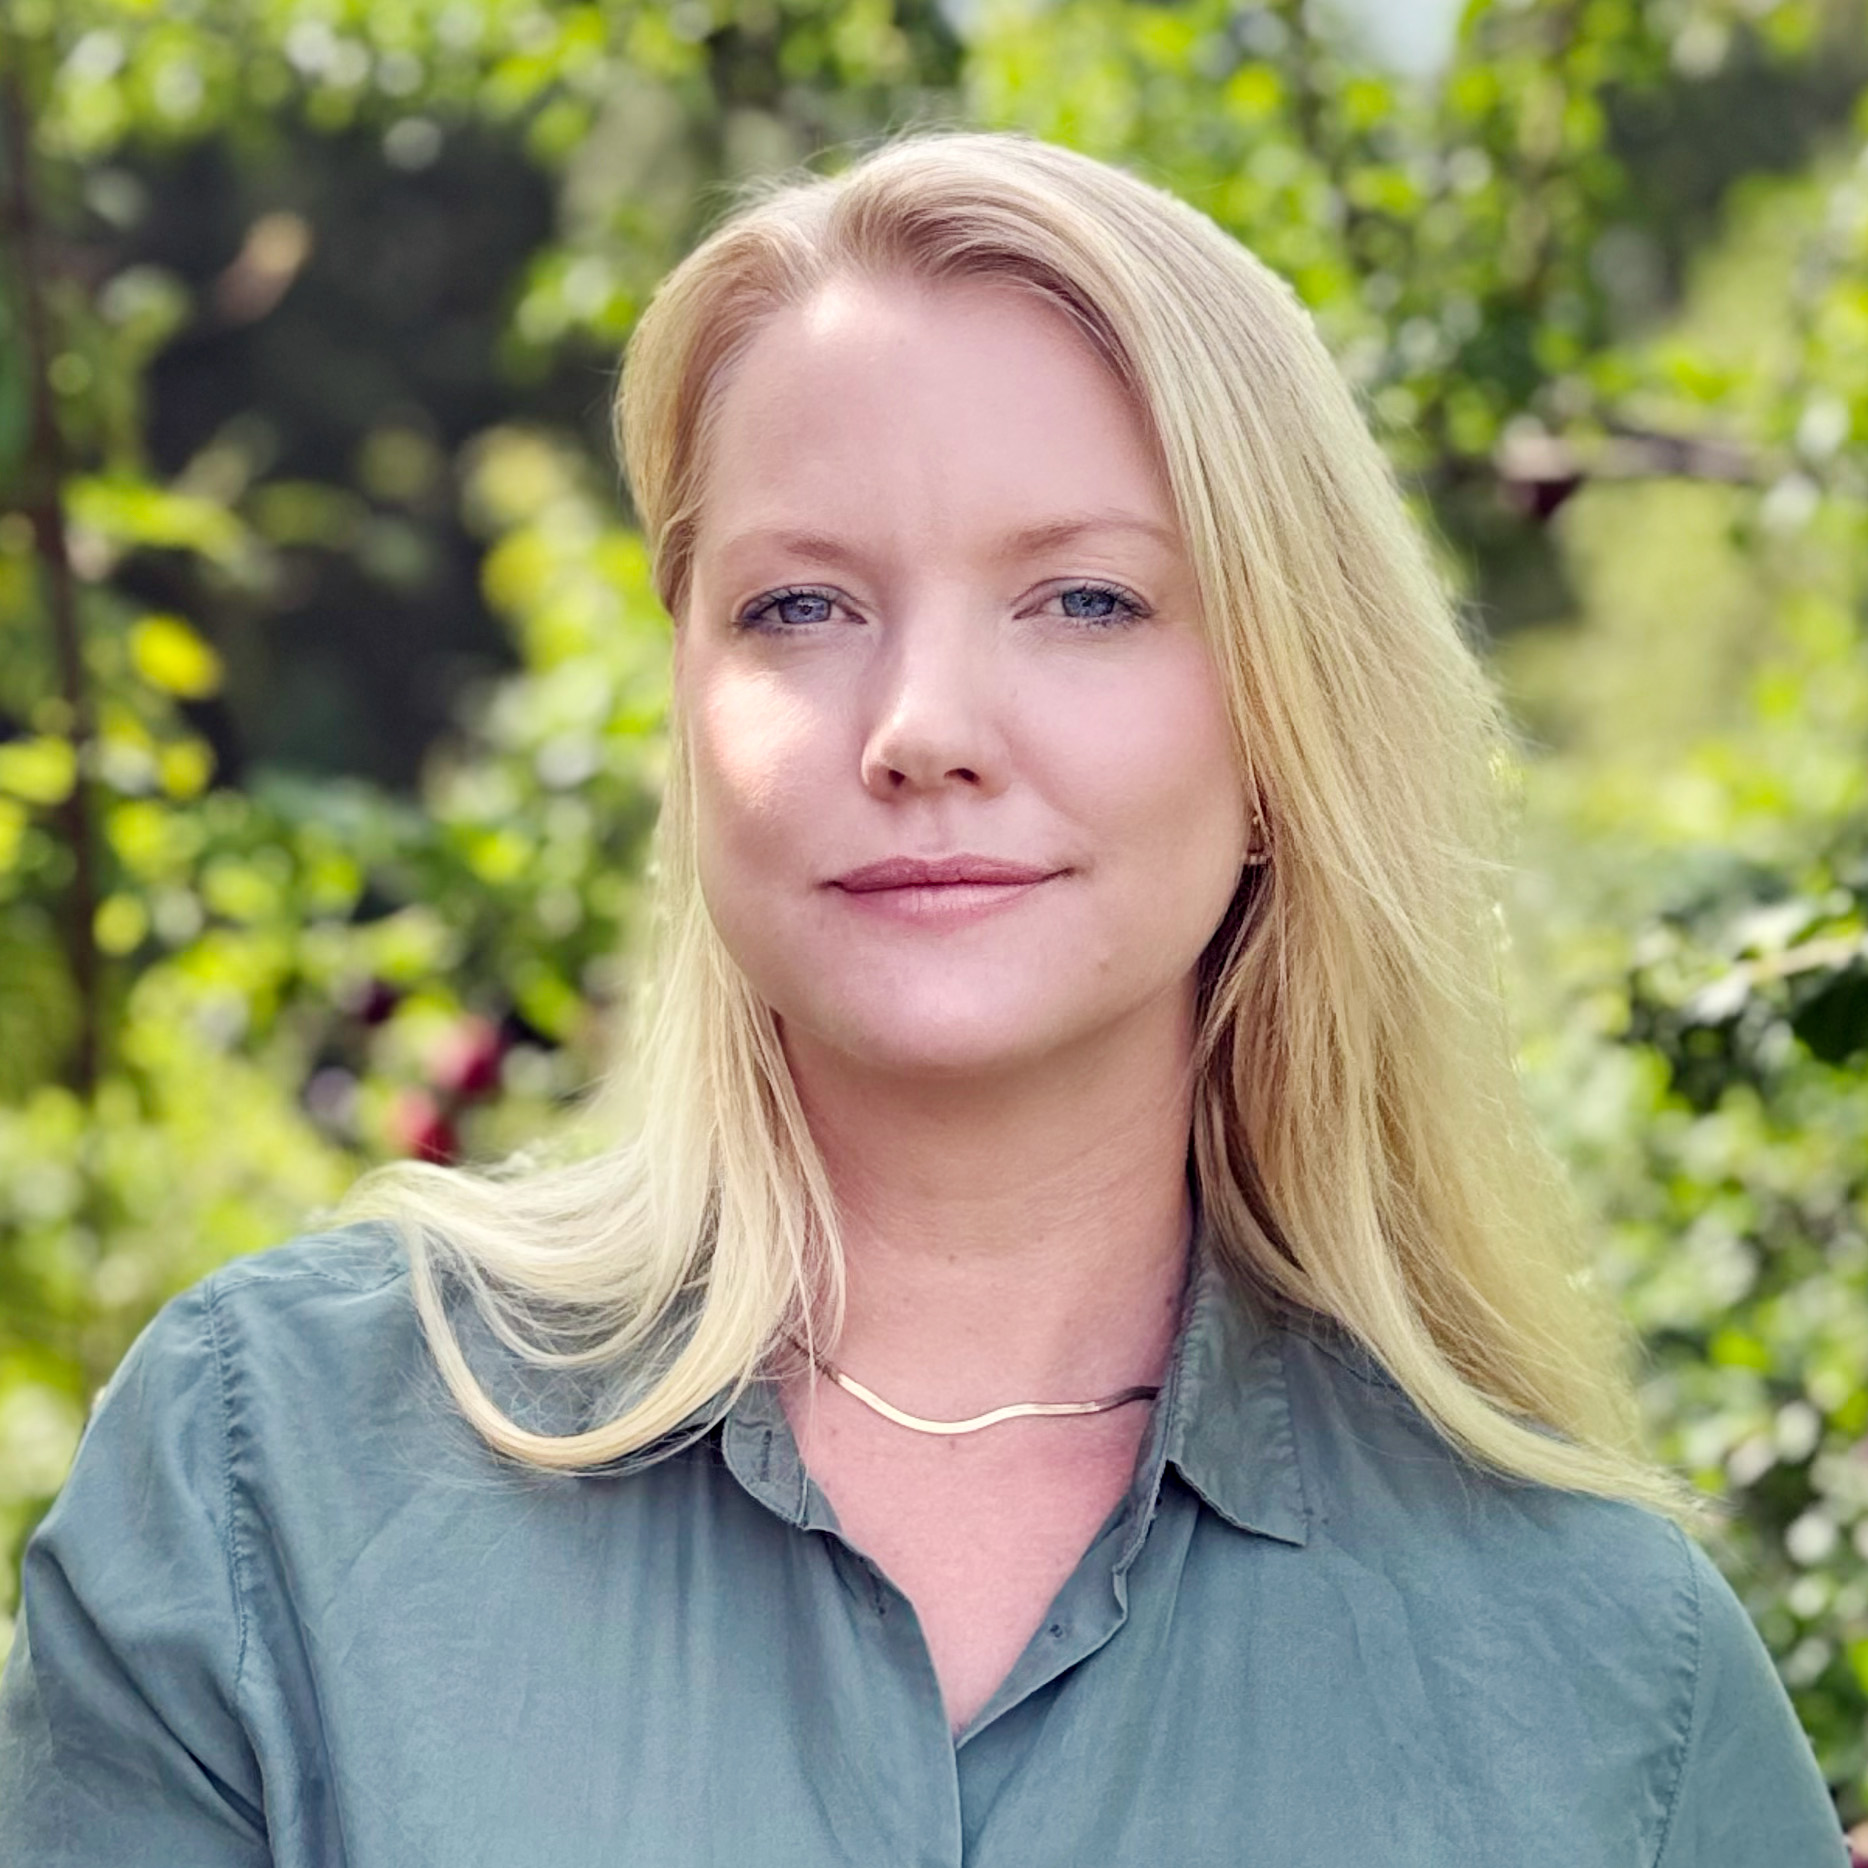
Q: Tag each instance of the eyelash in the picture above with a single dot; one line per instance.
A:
(756, 615)
(1130, 609)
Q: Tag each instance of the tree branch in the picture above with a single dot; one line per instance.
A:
(1538, 472)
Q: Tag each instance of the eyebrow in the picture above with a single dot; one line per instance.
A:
(1025, 542)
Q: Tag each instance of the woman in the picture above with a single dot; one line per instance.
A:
(1073, 1362)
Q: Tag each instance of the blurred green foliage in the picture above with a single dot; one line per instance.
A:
(331, 684)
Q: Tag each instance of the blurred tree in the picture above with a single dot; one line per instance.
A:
(331, 684)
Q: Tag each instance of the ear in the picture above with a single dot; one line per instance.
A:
(1258, 831)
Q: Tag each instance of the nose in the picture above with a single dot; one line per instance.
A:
(937, 718)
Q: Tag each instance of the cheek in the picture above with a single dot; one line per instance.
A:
(757, 752)
(1165, 767)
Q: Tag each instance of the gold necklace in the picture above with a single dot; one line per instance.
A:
(1016, 1410)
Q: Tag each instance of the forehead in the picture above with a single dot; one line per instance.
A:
(944, 411)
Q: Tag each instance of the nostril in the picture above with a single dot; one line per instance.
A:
(887, 770)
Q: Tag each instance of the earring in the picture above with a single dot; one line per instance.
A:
(1259, 851)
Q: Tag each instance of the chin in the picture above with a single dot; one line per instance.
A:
(942, 1057)
(941, 1039)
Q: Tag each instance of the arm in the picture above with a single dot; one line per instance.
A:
(1749, 1792)
(122, 1741)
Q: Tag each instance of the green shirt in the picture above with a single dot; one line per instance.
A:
(288, 1610)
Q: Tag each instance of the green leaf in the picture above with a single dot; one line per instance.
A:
(41, 770)
(168, 654)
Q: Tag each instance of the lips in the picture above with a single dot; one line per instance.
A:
(913, 872)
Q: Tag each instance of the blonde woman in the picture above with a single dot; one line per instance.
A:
(1073, 1358)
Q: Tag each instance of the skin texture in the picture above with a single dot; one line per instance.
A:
(991, 647)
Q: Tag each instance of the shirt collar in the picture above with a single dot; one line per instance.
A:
(756, 1442)
(1226, 1427)
(1229, 1432)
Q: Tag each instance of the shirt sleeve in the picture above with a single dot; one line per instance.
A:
(121, 1735)
(1749, 1789)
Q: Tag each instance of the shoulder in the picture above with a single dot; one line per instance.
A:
(1379, 1477)
(317, 1272)
(326, 1377)
(1591, 1630)
(317, 1307)
(297, 1356)
(341, 1283)
(257, 1367)
(321, 1301)
(326, 1292)
(1538, 1609)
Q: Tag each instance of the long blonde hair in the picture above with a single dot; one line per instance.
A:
(1360, 1144)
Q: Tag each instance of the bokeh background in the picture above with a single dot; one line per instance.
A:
(332, 689)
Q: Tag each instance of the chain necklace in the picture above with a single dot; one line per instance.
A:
(1016, 1410)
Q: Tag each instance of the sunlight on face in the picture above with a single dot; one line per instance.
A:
(966, 790)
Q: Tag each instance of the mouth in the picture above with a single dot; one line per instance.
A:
(952, 872)
(945, 892)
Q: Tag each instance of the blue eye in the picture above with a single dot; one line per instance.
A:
(1099, 603)
(789, 609)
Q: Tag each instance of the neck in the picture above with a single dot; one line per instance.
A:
(1023, 1237)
